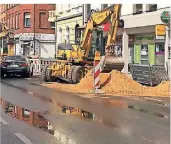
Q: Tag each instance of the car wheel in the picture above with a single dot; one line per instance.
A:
(2, 75)
(27, 75)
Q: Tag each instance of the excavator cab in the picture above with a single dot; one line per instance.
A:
(98, 43)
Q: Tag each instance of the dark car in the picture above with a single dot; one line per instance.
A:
(16, 65)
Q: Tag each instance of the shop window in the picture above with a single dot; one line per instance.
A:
(42, 20)
(137, 8)
(151, 7)
(27, 19)
(26, 113)
(159, 48)
(144, 54)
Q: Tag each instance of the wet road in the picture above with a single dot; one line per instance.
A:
(117, 124)
(14, 131)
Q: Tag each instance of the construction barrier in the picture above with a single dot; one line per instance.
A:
(149, 74)
(38, 65)
(96, 74)
(98, 66)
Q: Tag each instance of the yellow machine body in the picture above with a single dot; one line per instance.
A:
(73, 61)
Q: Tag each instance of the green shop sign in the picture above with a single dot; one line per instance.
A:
(145, 38)
(165, 17)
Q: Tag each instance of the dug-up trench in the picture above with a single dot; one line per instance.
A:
(116, 84)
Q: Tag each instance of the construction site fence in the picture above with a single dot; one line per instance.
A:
(38, 65)
(149, 74)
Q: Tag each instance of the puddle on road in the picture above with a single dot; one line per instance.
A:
(37, 120)
(27, 116)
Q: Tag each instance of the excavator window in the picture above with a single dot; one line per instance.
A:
(97, 43)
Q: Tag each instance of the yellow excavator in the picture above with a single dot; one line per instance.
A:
(74, 61)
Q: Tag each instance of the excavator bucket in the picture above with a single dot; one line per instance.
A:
(112, 63)
(113, 59)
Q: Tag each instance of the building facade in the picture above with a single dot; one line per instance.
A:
(68, 18)
(147, 47)
(33, 33)
(140, 40)
(3, 43)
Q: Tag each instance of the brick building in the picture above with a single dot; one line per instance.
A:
(33, 33)
(3, 45)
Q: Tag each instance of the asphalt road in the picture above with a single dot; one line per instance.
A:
(14, 131)
(118, 124)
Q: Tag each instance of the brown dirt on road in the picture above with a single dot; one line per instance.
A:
(115, 83)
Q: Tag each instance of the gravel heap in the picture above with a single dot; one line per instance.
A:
(116, 83)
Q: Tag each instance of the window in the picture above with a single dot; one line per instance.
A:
(42, 20)
(13, 22)
(9, 22)
(27, 19)
(59, 36)
(152, 7)
(52, 25)
(137, 8)
(26, 113)
(159, 48)
(18, 21)
(67, 35)
(169, 49)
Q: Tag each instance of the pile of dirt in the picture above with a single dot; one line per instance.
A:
(115, 83)
(121, 84)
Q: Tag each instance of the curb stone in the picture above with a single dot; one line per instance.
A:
(146, 111)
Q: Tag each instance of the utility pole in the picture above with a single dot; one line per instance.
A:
(34, 29)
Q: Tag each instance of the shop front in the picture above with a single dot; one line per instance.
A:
(148, 50)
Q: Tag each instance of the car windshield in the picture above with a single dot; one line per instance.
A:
(16, 58)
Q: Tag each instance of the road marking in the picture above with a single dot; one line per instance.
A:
(23, 138)
(3, 121)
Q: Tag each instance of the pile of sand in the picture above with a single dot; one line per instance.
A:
(120, 84)
(115, 83)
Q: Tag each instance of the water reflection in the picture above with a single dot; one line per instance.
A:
(29, 117)
(37, 120)
(74, 111)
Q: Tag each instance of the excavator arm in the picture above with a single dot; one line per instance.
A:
(98, 19)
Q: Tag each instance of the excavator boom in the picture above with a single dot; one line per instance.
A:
(109, 15)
